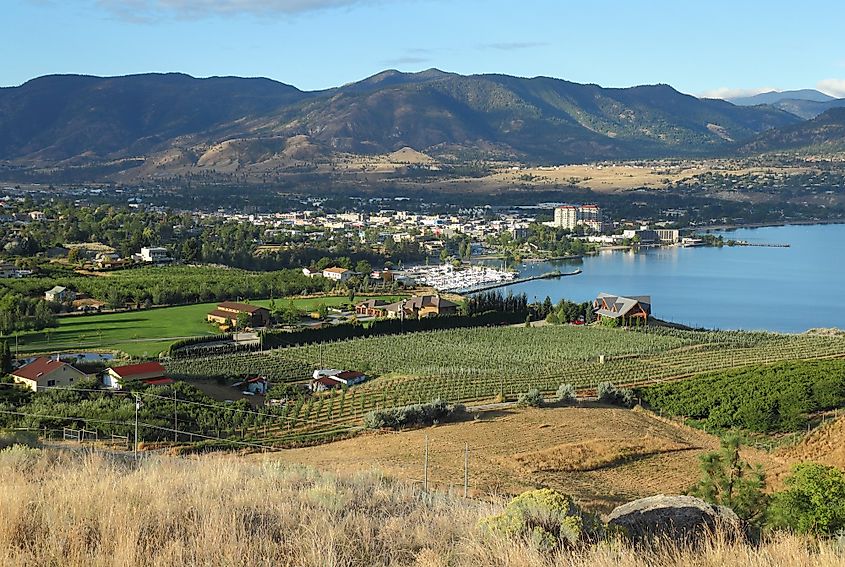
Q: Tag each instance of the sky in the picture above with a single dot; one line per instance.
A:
(706, 48)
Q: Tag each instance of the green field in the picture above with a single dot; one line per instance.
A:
(143, 333)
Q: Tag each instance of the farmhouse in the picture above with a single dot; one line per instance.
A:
(372, 308)
(626, 310)
(330, 378)
(421, 306)
(46, 372)
(228, 311)
(151, 373)
(59, 294)
(154, 254)
(337, 274)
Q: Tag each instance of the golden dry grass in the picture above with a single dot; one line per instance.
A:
(822, 445)
(87, 510)
(595, 454)
(648, 456)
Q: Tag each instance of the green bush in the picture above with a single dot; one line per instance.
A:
(609, 394)
(532, 398)
(566, 394)
(412, 416)
(547, 518)
(813, 502)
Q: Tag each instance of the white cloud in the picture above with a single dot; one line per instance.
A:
(143, 10)
(832, 87)
(727, 92)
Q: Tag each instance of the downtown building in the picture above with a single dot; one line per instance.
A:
(571, 216)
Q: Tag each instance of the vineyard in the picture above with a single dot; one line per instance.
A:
(466, 365)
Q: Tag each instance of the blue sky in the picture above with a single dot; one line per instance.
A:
(698, 47)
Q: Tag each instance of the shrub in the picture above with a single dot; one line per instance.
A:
(413, 415)
(546, 518)
(23, 438)
(610, 394)
(532, 398)
(566, 394)
(813, 502)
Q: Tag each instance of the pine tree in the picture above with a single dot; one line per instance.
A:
(5, 358)
(729, 481)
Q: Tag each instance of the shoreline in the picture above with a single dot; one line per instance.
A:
(727, 227)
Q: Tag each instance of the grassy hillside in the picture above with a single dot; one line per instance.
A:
(825, 133)
(85, 510)
(607, 456)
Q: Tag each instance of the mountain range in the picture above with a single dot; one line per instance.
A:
(805, 103)
(824, 133)
(174, 119)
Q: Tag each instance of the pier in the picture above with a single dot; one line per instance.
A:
(546, 276)
(760, 244)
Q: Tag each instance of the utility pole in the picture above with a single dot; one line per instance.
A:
(175, 418)
(425, 467)
(137, 407)
(466, 469)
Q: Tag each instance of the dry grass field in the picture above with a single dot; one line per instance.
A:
(86, 510)
(823, 445)
(604, 456)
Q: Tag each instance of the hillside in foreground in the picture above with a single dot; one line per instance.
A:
(604, 455)
(83, 510)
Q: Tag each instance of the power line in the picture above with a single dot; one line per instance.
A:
(140, 424)
(180, 400)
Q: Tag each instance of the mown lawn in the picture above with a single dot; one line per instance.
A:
(143, 333)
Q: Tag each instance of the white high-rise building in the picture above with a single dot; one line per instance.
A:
(569, 216)
(566, 216)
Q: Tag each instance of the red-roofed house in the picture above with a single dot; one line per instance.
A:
(46, 372)
(152, 373)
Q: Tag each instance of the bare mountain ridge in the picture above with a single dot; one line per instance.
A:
(176, 118)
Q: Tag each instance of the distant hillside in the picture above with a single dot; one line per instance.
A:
(808, 109)
(774, 97)
(823, 133)
(175, 120)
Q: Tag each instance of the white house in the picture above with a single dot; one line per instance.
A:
(59, 294)
(154, 254)
(337, 274)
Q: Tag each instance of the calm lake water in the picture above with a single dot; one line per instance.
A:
(778, 289)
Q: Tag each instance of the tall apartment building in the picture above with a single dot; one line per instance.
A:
(569, 216)
(566, 216)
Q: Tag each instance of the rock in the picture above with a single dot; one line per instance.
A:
(680, 518)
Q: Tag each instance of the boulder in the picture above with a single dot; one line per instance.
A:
(679, 518)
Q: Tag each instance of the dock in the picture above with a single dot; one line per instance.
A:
(760, 244)
(546, 276)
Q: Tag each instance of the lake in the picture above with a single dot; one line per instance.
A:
(778, 289)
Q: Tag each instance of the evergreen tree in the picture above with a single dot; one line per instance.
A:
(729, 481)
(5, 358)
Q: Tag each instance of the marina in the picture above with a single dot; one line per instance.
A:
(448, 278)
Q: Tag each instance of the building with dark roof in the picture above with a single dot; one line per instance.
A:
(227, 314)
(421, 306)
(626, 310)
(372, 308)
